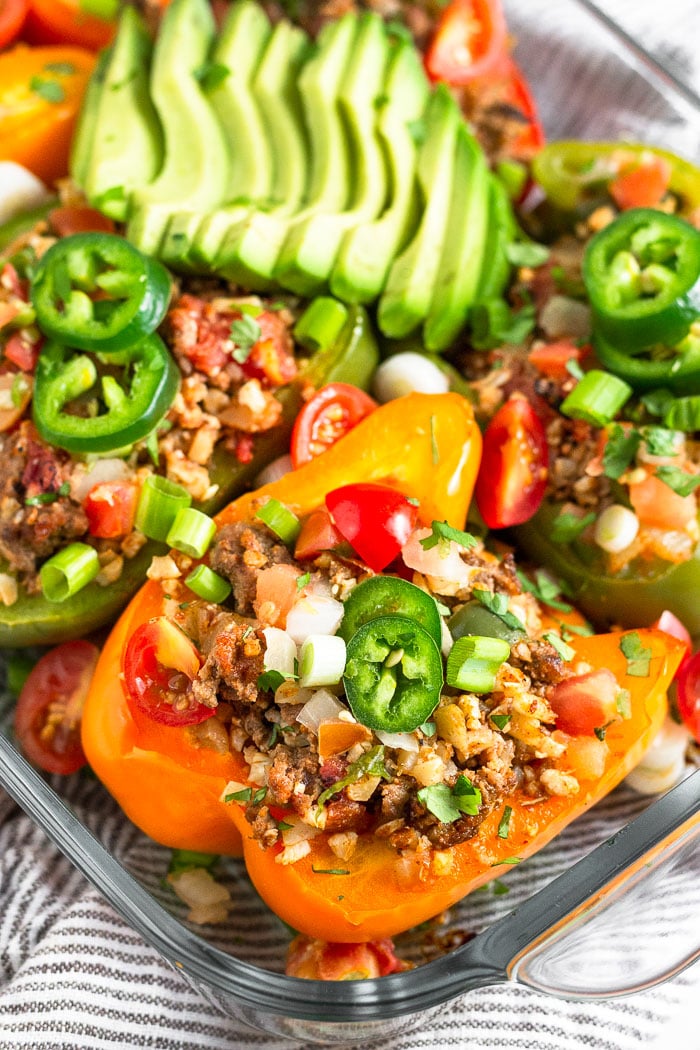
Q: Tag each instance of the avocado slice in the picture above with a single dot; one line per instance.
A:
(406, 299)
(249, 248)
(503, 230)
(367, 252)
(310, 250)
(127, 144)
(81, 146)
(196, 159)
(464, 246)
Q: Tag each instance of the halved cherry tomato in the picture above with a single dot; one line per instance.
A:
(159, 664)
(586, 702)
(12, 16)
(74, 219)
(516, 94)
(513, 473)
(110, 508)
(551, 359)
(67, 22)
(641, 185)
(22, 350)
(688, 691)
(318, 534)
(374, 519)
(332, 412)
(672, 625)
(50, 706)
(469, 41)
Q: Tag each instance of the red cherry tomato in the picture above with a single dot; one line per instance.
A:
(469, 41)
(586, 702)
(514, 92)
(688, 691)
(332, 412)
(159, 664)
(318, 534)
(50, 706)
(374, 519)
(551, 359)
(65, 22)
(110, 508)
(74, 218)
(513, 473)
(12, 16)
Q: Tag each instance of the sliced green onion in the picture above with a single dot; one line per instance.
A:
(69, 571)
(208, 585)
(597, 398)
(321, 660)
(280, 520)
(158, 505)
(191, 532)
(474, 661)
(683, 413)
(321, 323)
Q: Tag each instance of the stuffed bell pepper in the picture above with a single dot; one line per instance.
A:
(121, 385)
(361, 692)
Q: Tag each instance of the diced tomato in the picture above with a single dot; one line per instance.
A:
(22, 352)
(66, 22)
(50, 706)
(10, 279)
(20, 394)
(688, 691)
(272, 358)
(551, 359)
(469, 42)
(110, 508)
(160, 663)
(585, 702)
(69, 220)
(333, 411)
(318, 534)
(659, 506)
(376, 520)
(587, 756)
(275, 593)
(326, 961)
(512, 476)
(12, 16)
(641, 185)
(337, 736)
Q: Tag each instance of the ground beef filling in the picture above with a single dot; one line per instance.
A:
(283, 754)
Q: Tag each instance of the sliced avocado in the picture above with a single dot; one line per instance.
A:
(406, 299)
(81, 146)
(367, 252)
(147, 227)
(464, 246)
(196, 158)
(503, 230)
(127, 143)
(211, 234)
(249, 249)
(311, 248)
(178, 238)
(261, 237)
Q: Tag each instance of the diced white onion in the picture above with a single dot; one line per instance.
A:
(616, 528)
(208, 900)
(274, 471)
(98, 473)
(299, 832)
(313, 614)
(404, 741)
(663, 763)
(447, 639)
(408, 373)
(20, 190)
(563, 316)
(321, 660)
(443, 560)
(322, 707)
(234, 787)
(280, 651)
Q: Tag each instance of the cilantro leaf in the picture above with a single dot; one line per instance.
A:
(245, 332)
(564, 650)
(567, 527)
(637, 655)
(544, 589)
(448, 804)
(504, 822)
(620, 449)
(270, 681)
(498, 605)
(660, 441)
(49, 90)
(329, 871)
(442, 532)
(500, 721)
(371, 764)
(680, 482)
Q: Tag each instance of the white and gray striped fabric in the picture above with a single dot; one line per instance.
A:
(74, 976)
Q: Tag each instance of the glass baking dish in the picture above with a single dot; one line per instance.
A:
(570, 922)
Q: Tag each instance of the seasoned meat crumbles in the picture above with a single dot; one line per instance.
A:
(364, 780)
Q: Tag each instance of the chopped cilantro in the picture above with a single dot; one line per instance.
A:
(526, 253)
(544, 589)
(245, 332)
(500, 721)
(329, 871)
(303, 580)
(567, 527)
(564, 650)
(569, 630)
(371, 764)
(507, 860)
(637, 655)
(448, 804)
(574, 368)
(499, 888)
(270, 681)
(623, 703)
(504, 822)
(678, 480)
(660, 441)
(620, 449)
(259, 796)
(413, 501)
(282, 825)
(49, 90)
(498, 605)
(443, 533)
(61, 69)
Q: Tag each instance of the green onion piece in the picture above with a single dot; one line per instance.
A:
(597, 398)
(69, 571)
(321, 660)
(321, 323)
(474, 662)
(683, 413)
(280, 520)
(208, 585)
(158, 505)
(191, 532)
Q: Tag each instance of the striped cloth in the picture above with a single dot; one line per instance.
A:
(74, 976)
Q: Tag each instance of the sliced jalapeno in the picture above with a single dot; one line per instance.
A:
(674, 368)
(80, 410)
(95, 291)
(389, 595)
(393, 674)
(642, 276)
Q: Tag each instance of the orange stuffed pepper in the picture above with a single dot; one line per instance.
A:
(349, 684)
